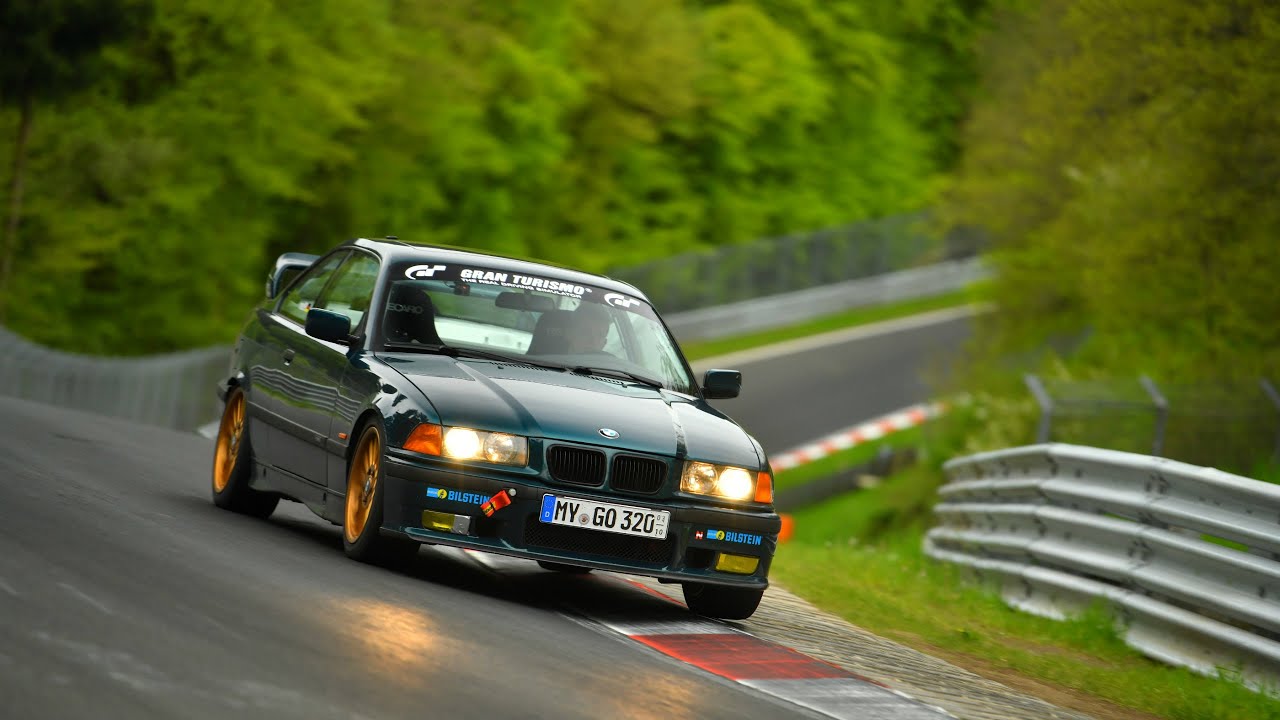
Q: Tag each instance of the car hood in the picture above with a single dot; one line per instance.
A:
(558, 405)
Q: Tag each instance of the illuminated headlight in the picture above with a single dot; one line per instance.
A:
(731, 483)
(466, 444)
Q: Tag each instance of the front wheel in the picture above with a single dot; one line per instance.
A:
(233, 463)
(362, 522)
(720, 601)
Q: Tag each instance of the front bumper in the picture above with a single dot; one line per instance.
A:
(688, 553)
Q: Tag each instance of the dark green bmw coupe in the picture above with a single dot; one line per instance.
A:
(418, 394)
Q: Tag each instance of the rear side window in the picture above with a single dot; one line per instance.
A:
(298, 301)
(351, 289)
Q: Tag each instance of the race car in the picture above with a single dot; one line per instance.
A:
(426, 395)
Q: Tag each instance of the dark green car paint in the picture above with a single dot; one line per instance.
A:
(308, 397)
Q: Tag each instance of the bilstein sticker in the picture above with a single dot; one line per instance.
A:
(456, 496)
(728, 536)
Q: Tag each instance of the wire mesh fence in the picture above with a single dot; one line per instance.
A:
(772, 266)
(1234, 426)
(177, 390)
(174, 390)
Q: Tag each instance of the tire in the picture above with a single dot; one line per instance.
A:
(233, 463)
(362, 539)
(563, 568)
(720, 601)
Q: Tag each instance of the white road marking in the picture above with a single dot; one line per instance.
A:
(8, 588)
(849, 698)
(836, 337)
(80, 594)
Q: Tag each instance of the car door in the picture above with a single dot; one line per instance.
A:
(292, 380)
(350, 294)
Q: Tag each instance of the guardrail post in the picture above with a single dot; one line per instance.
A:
(1274, 396)
(1046, 406)
(1162, 413)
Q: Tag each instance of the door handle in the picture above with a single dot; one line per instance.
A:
(288, 356)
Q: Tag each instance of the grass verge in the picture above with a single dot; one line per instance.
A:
(858, 316)
(860, 556)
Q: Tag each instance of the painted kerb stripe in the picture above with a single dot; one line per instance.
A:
(773, 669)
(858, 434)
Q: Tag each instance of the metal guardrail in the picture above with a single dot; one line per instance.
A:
(1188, 556)
(173, 390)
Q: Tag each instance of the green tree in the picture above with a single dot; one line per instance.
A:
(1126, 158)
(52, 49)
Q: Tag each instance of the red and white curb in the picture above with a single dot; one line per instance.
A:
(770, 668)
(722, 650)
(858, 434)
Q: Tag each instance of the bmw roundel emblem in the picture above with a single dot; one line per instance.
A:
(611, 434)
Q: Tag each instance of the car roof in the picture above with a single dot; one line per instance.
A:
(396, 250)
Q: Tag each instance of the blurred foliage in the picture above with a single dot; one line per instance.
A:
(215, 135)
(1125, 154)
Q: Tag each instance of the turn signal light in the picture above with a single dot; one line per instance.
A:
(764, 487)
(425, 439)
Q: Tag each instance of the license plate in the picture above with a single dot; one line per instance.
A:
(621, 519)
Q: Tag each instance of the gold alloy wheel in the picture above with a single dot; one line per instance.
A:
(230, 438)
(362, 481)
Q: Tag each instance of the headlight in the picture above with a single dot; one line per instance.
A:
(731, 483)
(462, 444)
(459, 443)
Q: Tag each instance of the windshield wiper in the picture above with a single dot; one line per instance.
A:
(460, 352)
(501, 357)
(434, 349)
(615, 372)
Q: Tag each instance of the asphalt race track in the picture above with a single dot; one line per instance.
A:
(124, 593)
(788, 400)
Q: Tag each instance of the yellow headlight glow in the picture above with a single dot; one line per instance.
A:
(461, 444)
(735, 484)
(730, 483)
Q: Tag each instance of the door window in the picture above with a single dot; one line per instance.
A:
(298, 301)
(352, 288)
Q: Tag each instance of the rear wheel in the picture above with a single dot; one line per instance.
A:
(362, 521)
(720, 601)
(233, 463)
(563, 568)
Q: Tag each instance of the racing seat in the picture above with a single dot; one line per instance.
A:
(410, 316)
(551, 334)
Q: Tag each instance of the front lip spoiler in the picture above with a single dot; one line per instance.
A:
(468, 543)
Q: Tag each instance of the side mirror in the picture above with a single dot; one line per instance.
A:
(288, 266)
(329, 326)
(721, 384)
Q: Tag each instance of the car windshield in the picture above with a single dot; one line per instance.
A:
(530, 318)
